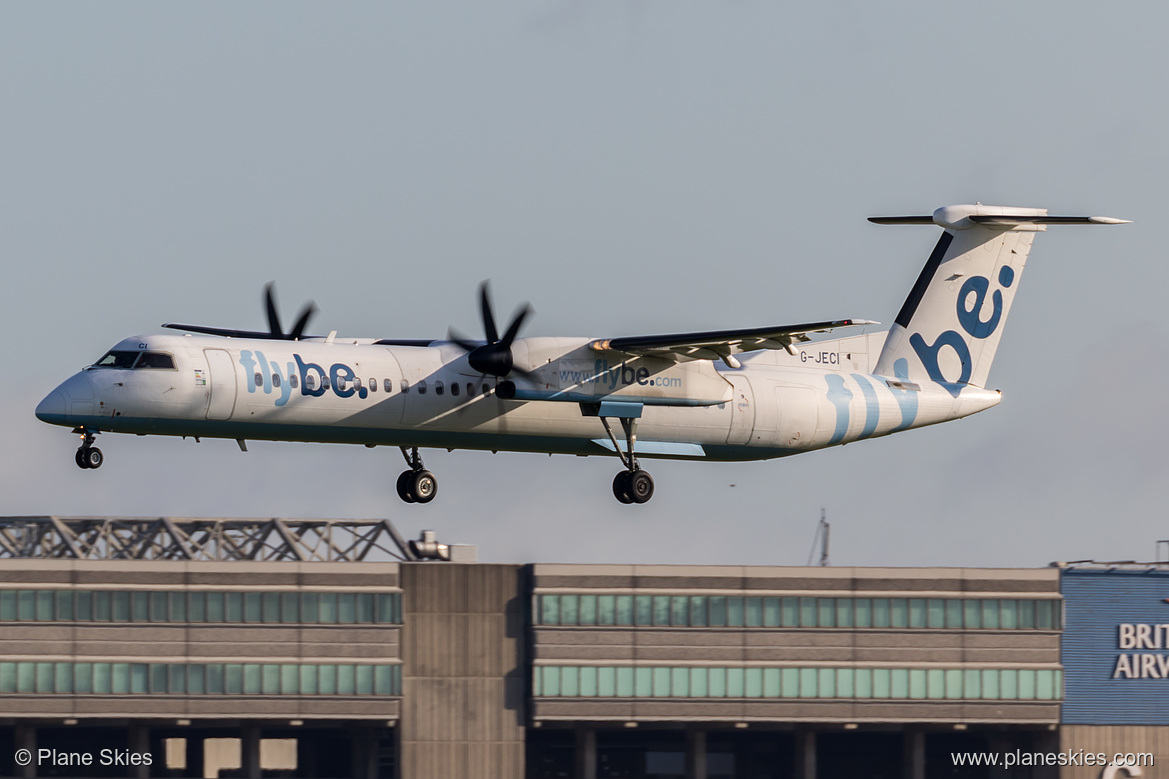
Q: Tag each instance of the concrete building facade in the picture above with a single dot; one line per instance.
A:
(467, 670)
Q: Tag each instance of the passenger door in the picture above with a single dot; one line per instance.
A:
(222, 384)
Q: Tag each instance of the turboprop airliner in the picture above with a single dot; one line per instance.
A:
(748, 394)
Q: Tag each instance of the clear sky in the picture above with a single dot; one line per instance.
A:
(630, 167)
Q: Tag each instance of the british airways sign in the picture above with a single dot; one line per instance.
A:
(1115, 646)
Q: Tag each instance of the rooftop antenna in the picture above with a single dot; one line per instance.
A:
(822, 536)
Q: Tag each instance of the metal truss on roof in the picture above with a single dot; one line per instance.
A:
(220, 540)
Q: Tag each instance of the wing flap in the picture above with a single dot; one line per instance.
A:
(720, 344)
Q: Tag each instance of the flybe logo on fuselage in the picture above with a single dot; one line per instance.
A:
(313, 380)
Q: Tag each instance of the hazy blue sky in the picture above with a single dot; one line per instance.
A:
(628, 167)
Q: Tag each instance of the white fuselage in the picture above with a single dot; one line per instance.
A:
(358, 392)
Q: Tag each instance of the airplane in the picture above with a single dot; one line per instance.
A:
(727, 395)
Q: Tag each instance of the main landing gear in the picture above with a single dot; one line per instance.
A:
(416, 485)
(632, 485)
(88, 455)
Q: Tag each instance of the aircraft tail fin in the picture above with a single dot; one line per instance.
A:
(949, 327)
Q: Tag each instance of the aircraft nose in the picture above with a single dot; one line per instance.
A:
(52, 408)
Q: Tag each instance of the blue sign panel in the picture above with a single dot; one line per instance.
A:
(1115, 649)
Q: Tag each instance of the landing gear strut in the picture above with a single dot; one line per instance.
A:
(416, 485)
(632, 485)
(88, 455)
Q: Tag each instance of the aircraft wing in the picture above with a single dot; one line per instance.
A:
(720, 344)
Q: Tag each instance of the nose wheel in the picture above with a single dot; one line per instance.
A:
(416, 485)
(88, 455)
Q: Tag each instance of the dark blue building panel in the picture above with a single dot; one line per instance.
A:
(1115, 650)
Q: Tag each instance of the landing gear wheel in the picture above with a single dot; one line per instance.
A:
(622, 489)
(90, 457)
(641, 486)
(405, 483)
(424, 486)
(79, 458)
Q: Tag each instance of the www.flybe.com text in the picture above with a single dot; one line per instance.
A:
(602, 373)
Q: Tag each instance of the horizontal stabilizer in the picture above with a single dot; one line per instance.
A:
(967, 216)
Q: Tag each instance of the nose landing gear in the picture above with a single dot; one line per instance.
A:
(88, 455)
(416, 485)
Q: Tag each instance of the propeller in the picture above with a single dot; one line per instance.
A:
(274, 328)
(275, 331)
(493, 357)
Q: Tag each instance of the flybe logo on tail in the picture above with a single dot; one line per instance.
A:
(971, 298)
(313, 380)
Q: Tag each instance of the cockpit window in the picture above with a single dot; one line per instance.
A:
(116, 359)
(155, 360)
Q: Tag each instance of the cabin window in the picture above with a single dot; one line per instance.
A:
(405, 386)
(373, 385)
(259, 379)
(292, 381)
(310, 382)
(155, 360)
(117, 360)
(388, 385)
(486, 389)
(341, 383)
(325, 382)
(438, 388)
(275, 379)
(455, 388)
(470, 389)
(422, 387)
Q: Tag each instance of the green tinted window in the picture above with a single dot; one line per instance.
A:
(917, 613)
(898, 612)
(735, 612)
(661, 610)
(826, 612)
(271, 607)
(216, 607)
(790, 608)
(698, 611)
(213, 678)
(807, 612)
(139, 606)
(771, 612)
(365, 609)
(64, 605)
(864, 612)
(233, 607)
(881, 612)
(754, 616)
(253, 607)
(844, 612)
(718, 611)
(569, 610)
(26, 601)
(588, 610)
(645, 604)
(624, 609)
(7, 605)
(290, 608)
(936, 613)
(45, 605)
(310, 608)
(607, 610)
(954, 613)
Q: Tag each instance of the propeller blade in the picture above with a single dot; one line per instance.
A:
(274, 327)
(306, 314)
(488, 317)
(459, 339)
(516, 323)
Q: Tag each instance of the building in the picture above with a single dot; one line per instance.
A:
(432, 669)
